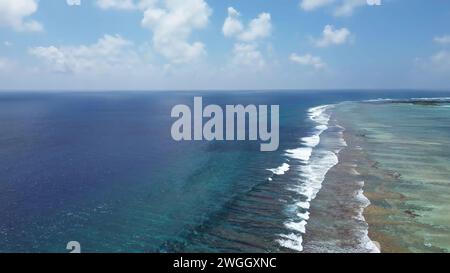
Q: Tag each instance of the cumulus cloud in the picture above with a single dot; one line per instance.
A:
(332, 36)
(308, 60)
(108, 52)
(246, 49)
(172, 24)
(442, 40)
(258, 28)
(232, 25)
(14, 13)
(73, 2)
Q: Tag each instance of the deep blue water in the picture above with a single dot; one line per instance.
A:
(101, 168)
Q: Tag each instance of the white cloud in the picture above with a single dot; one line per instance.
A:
(341, 7)
(443, 40)
(232, 26)
(126, 4)
(109, 52)
(172, 22)
(246, 49)
(308, 60)
(116, 4)
(332, 36)
(258, 28)
(73, 2)
(374, 2)
(172, 25)
(309, 5)
(347, 7)
(14, 13)
(248, 55)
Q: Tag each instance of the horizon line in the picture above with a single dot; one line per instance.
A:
(225, 90)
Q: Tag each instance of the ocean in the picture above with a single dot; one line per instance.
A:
(101, 168)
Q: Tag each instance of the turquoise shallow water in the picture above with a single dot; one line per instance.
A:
(102, 169)
(409, 175)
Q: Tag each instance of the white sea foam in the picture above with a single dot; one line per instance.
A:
(370, 245)
(432, 99)
(291, 241)
(314, 173)
(303, 205)
(365, 242)
(280, 170)
(319, 115)
(316, 164)
(378, 100)
(407, 100)
(312, 176)
(359, 195)
(297, 226)
(302, 154)
(304, 215)
(311, 141)
(321, 129)
(342, 143)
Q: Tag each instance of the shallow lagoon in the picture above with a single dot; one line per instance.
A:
(406, 171)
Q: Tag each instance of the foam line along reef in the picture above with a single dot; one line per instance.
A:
(313, 163)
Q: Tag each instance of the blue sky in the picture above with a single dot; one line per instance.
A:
(226, 44)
